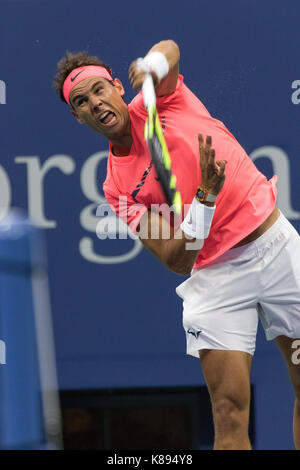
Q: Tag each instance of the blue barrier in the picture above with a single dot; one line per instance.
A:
(22, 399)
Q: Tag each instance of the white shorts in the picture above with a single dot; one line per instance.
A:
(223, 301)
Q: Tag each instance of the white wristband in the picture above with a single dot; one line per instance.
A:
(155, 62)
(198, 220)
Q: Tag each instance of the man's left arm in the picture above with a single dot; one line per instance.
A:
(167, 84)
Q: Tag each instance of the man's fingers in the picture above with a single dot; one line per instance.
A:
(221, 164)
(136, 76)
(206, 157)
(211, 157)
(132, 67)
(208, 142)
(136, 73)
(137, 79)
(207, 149)
(133, 74)
(200, 142)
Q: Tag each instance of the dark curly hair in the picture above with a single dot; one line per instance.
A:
(70, 61)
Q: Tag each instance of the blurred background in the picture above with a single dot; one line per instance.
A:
(124, 380)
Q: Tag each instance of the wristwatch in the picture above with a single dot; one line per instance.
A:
(202, 195)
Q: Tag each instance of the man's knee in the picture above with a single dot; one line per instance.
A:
(230, 414)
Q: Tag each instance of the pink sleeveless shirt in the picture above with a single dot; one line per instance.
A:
(245, 201)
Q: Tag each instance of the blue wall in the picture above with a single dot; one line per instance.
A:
(119, 325)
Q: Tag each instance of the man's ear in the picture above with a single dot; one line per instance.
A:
(118, 84)
(76, 116)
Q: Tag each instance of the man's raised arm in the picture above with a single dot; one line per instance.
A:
(163, 61)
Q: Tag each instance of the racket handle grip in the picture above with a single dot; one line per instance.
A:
(149, 91)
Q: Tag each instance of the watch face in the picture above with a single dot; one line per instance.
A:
(200, 194)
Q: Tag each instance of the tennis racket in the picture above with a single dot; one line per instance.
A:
(158, 147)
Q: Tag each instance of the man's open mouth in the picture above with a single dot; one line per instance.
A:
(107, 118)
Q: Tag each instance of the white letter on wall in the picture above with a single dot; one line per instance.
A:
(2, 352)
(295, 96)
(5, 193)
(2, 92)
(35, 182)
(89, 219)
(281, 167)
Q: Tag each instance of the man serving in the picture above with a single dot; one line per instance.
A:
(238, 247)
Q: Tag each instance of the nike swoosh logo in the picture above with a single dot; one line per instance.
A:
(73, 78)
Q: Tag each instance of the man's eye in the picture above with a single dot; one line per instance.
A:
(98, 90)
(80, 102)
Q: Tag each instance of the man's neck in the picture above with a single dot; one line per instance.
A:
(121, 149)
(121, 146)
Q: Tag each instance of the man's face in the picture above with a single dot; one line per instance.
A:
(99, 104)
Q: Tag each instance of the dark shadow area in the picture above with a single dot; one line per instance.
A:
(153, 418)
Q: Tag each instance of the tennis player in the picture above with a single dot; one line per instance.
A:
(240, 252)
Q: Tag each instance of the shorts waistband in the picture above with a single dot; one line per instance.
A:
(281, 226)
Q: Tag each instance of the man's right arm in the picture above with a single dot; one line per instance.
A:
(179, 251)
(172, 251)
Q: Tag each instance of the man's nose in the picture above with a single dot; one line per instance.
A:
(96, 103)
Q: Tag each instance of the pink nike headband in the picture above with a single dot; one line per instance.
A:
(81, 73)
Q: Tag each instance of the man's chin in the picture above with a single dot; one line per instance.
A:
(113, 133)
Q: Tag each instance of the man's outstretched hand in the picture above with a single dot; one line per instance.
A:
(213, 173)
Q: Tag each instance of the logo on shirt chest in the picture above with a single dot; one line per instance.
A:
(142, 181)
